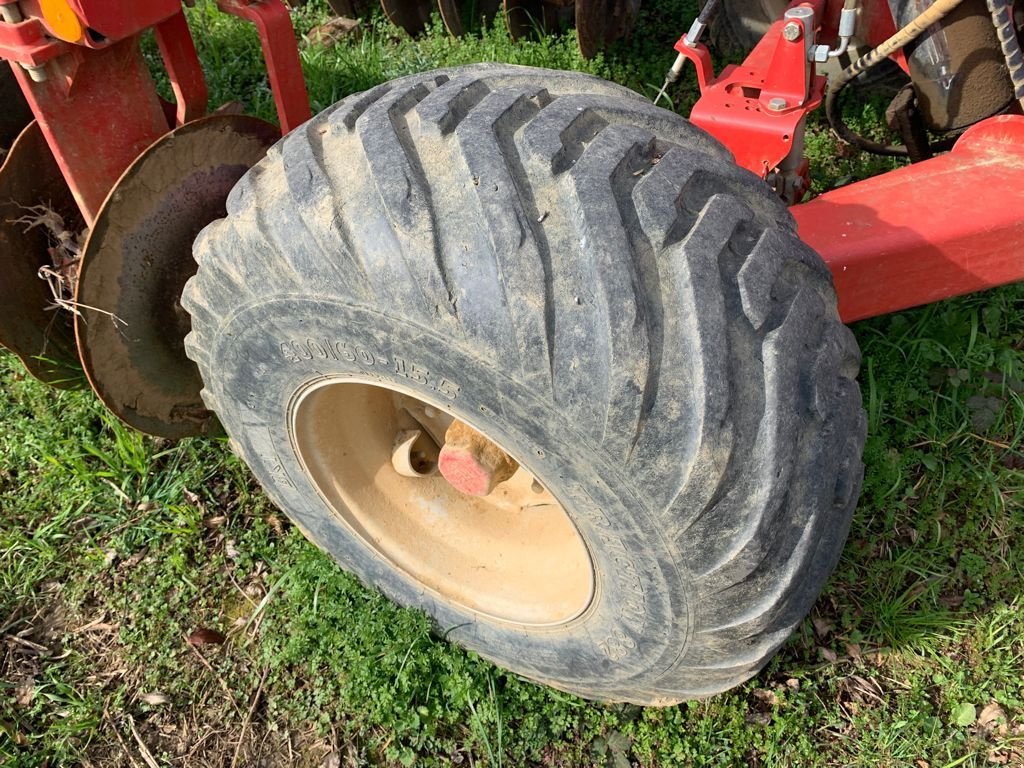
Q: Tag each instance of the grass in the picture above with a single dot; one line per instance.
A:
(124, 560)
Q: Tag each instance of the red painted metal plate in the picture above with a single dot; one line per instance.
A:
(137, 259)
(735, 107)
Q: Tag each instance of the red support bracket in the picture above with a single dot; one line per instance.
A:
(943, 227)
(277, 36)
(27, 43)
(699, 54)
(756, 108)
(95, 101)
(183, 68)
(98, 110)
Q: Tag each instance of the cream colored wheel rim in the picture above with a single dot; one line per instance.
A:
(513, 555)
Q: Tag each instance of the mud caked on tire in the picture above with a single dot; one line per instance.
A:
(591, 283)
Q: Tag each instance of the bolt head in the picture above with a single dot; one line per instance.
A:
(777, 104)
(793, 31)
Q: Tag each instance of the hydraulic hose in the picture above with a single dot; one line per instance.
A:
(1006, 31)
(934, 13)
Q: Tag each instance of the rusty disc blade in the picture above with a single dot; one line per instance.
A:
(411, 15)
(520, 17)
(36, 206)
(535, 18)
(350, 9)
(131, 326)
(461, 16)
(14, 111)
(602, 22)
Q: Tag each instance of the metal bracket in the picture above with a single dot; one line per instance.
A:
(757, 108)
(277, 36)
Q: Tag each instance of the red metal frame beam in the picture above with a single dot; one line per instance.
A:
(178, 51)
(944, 227)
(277, 36)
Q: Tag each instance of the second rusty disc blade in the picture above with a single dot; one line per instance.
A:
(138, 257)
(411, 15)
(14, 111)
(602, 22)
(461, 16)
(34, 202)
(535, 18)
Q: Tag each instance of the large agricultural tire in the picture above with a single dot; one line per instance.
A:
(590, 282)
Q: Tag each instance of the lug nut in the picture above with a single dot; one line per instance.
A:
(471, 463)
(792, 31)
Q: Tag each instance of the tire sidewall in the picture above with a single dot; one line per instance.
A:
(638, 622)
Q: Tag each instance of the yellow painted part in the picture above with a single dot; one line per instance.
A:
(61, 20)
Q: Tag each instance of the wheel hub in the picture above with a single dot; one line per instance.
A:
(511, 554)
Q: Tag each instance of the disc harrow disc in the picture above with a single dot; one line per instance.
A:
(14, 111)
(131, 326)
(351, 9)
(34, 195)
(601, 22)
(460, 16)
(533, 18)
(411, 15)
